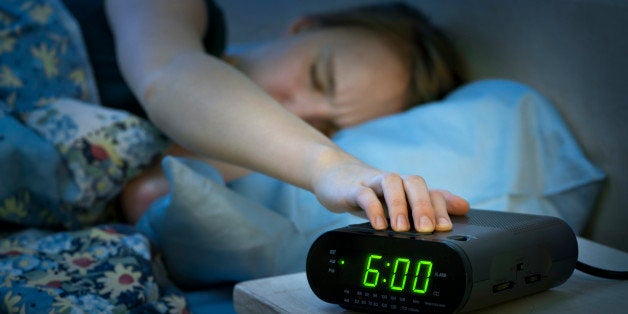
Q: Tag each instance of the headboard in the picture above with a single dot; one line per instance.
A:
(575, 52)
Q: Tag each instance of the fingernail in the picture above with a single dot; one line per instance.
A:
(402, 222)
(426, 225)
(443, 222)
(380, 223)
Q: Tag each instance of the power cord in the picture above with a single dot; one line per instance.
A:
(600, 272)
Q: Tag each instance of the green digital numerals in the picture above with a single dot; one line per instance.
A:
(394, 273)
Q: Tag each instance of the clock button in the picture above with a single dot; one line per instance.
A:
(459, 237)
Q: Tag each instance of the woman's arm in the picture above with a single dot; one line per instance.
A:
(202, 103)
(215, 111)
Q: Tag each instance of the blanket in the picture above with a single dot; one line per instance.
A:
(103, 269)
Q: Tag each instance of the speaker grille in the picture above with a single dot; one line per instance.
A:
(507, 221)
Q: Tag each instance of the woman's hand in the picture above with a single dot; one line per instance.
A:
(354, 186)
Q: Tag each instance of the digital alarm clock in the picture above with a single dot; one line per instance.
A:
(488, 257)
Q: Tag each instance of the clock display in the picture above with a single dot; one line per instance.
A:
(397, 274)
(393, 273)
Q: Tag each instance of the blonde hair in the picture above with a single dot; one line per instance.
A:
(436, 67)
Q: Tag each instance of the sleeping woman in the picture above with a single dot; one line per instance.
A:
(269, 109)
(240, 111)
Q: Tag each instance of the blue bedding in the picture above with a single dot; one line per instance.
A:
(497, 143)
(64, 158)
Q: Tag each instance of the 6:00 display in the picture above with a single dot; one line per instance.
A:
(398, 276)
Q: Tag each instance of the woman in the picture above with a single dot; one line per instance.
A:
(331, 77)
(63, 156)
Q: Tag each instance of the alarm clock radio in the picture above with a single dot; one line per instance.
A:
(487, 258)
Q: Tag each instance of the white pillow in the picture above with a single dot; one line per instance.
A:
(498, 143)
(209, 234)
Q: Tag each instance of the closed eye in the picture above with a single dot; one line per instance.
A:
(317, 84)
(322, 74)
(330, 75)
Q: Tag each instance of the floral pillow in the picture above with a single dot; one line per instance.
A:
(62, 156)
(63, 163)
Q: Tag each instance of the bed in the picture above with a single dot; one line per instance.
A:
(546, 108)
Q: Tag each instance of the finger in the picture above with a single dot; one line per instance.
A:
(395, 196)
(368, 201)
(443, 223)
(456, 205)
(420, 203)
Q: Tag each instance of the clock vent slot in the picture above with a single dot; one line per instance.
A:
(507, 221)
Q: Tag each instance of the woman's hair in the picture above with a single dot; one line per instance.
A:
(436, 66)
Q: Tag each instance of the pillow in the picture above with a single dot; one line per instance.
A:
(63, 158)
(498, 143)
(209, 234)
(66, 161)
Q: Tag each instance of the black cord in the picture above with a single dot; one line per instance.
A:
(599, 272)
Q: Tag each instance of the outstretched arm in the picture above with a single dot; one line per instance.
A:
(215, 111)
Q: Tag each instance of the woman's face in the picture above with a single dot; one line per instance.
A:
(331, 78)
